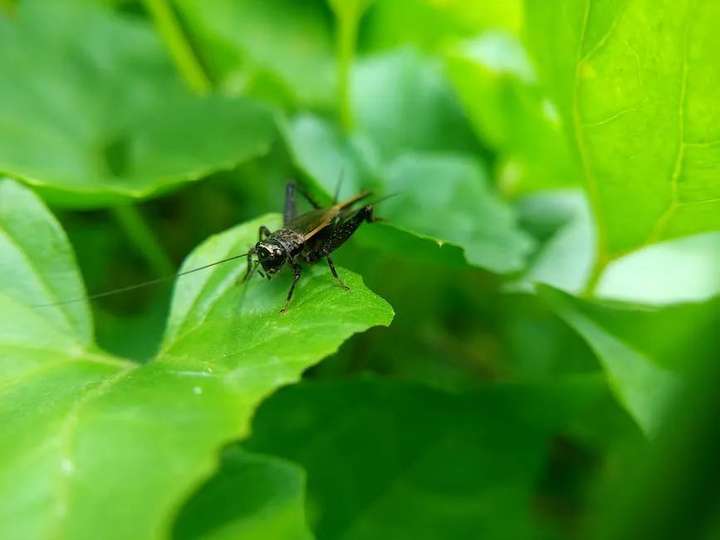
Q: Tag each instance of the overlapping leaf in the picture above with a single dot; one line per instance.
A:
(498, 88)
(644, 351)
(442, 198)
(387, 459)
(635, 81)
(94, 114)
(252, 496)
(278, 49)
(97, 446)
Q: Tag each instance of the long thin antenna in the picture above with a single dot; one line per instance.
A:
(140, 285)
(339, 185)
(385, 198)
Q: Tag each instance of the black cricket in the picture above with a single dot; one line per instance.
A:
(307, 238)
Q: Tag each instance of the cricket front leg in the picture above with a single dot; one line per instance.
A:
(251, 266)
(297, 270)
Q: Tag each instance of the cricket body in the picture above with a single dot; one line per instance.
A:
(307, 238)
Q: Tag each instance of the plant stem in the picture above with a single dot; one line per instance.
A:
(347, 36)
(143, 239)
(8, 7)
(182, 53)
(595, 275)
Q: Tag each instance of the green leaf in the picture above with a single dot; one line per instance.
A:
(430, 24)
(439, 197)
(565, 258)
(497, 86)
(643, 350)
(647, 276)
(99, 446)
(37, 263)
(635, 81)
(270, 506)
(403, 103)
(387, 459)
(96, 115)
(275, 48)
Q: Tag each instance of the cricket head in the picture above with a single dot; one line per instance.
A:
(271, 255)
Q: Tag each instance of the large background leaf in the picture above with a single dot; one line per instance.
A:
(277, 49)
(498, 87)
(642, 349)
(439, 195)
(85, 430)
(118, 123)
(635, 82)
(250, 497)
(389, 459)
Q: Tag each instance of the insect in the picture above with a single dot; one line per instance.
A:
(307, 238)
(304, 238)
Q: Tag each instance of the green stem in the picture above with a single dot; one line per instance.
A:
(347, 37)
(596, 273)
(144, 239)
(177, 43)
(8, 7)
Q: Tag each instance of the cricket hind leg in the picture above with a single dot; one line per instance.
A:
(331, 264)
(297, 271)
(343, 230)
(337, 236)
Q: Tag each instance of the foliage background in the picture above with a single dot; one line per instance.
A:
(546, 369)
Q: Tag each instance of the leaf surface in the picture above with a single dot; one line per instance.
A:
(84, 430)
(636, 83)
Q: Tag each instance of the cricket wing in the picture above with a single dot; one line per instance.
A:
(311, 223)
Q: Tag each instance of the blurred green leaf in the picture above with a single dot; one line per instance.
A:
(402, 102)
(95, 114)
(565, 257)
(497, 86)
(37, 264)
(650, 275)
(439, 196)
(98, 446)
(646, 352)
(430, 24)
(670, 489)
(270, 506)
(562, 222)
(272, 48)
(387, 459)
(635, 81)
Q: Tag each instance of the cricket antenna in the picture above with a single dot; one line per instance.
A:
(338, 187)
(385, 198)
(140, 285)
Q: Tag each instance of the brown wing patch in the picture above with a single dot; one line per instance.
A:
(311, 223)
